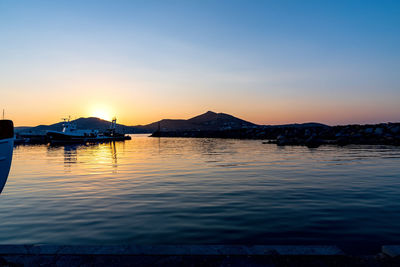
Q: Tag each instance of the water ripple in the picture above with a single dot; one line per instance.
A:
(177, 190)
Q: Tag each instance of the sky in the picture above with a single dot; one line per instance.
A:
(268, 62)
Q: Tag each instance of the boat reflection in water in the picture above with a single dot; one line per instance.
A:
(87, 154)
(70, 156)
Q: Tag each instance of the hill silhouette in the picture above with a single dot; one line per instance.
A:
(209, 121)
(204, 122)
(83, 123)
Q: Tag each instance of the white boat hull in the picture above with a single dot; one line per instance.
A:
(6, 151)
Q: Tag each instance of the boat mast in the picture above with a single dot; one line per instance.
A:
(113, 125)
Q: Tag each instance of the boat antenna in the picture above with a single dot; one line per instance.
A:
(3, 113)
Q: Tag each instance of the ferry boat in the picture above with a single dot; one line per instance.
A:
(70, 134)
(6, 149)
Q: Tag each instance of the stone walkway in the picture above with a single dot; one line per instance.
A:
(190, 255)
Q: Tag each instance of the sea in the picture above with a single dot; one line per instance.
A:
(202, 191)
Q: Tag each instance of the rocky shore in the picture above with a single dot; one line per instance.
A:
(311, 135)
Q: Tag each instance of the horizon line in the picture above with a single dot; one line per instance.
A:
(289, 123)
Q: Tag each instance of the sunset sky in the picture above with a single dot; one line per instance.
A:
(269, 62)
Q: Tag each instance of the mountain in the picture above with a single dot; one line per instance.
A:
(83, 123)
(22, 128)
(209, 121)
(204, 122)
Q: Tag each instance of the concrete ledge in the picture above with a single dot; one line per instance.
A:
(168, 250)
(392, 251)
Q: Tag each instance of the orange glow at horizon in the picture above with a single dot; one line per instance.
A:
(269, 116)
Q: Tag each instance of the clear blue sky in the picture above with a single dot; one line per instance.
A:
(265, 61)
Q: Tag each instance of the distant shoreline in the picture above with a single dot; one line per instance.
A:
(312, 135)
(222, 125)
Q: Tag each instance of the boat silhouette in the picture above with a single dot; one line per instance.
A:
(6, 149)
(70, 134)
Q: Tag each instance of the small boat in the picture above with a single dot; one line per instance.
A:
(6, 149)
(70, 134)
(112, 134)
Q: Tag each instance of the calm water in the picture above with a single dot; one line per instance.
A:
(202, 191)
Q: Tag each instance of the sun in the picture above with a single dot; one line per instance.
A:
(101, 113)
